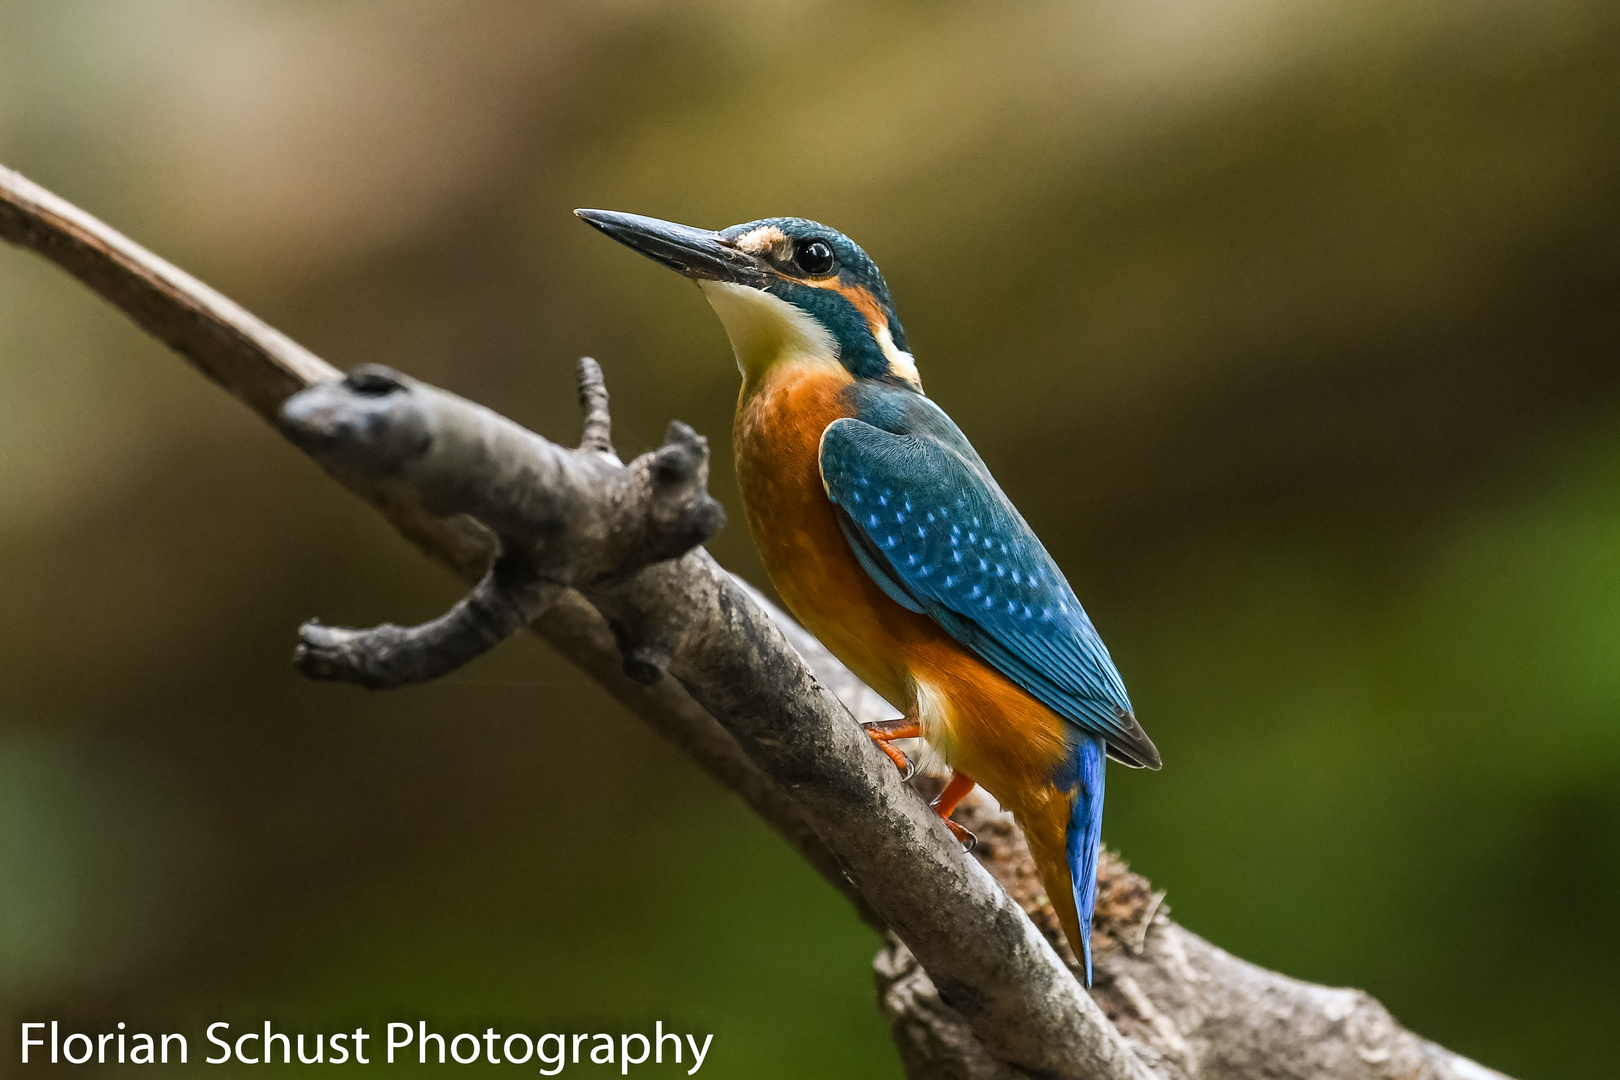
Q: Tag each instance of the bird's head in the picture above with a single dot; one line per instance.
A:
(787, 290)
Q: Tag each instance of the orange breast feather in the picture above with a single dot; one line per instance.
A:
(997, 732)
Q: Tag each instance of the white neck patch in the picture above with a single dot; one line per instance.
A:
(900, 362)
(766, 330)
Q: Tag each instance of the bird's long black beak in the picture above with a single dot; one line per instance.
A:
(697, 253)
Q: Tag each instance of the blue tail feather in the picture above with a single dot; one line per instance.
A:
(1085, 832)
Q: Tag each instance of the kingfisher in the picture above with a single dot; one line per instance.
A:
(884, 534)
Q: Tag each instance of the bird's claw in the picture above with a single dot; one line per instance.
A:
(963, 837)
(883, 731)
(907, 767)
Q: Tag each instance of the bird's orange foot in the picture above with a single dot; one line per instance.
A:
(884, 731)
(955, 791)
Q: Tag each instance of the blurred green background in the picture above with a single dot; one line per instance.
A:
(1292, 327)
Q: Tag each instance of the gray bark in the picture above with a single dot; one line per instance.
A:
(602, 559)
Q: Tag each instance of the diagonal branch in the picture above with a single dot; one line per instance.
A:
(626, 537)
(973, 988)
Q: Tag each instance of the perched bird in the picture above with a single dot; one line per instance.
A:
(885, 535)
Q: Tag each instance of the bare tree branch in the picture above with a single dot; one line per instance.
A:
(624, 536)
(601, 559)
(560, 518)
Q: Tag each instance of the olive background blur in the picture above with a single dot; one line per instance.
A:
(1292, 328)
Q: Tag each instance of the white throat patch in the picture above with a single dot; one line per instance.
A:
(766, 330)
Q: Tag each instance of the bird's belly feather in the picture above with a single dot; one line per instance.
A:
(978, 720)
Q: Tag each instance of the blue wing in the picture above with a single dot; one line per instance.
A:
(934, 530)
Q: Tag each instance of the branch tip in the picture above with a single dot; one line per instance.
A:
(365, 424)
(509, 597)
(340, 654)
(593, 399)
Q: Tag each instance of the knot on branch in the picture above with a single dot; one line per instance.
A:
(366, 424)
(667, 508)
(561, 518)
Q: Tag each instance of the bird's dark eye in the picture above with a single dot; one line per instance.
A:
(815, 257)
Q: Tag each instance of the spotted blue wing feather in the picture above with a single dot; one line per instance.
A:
(934, 530)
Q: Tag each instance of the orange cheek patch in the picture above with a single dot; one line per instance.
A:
(866, 304)
(860, 296)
